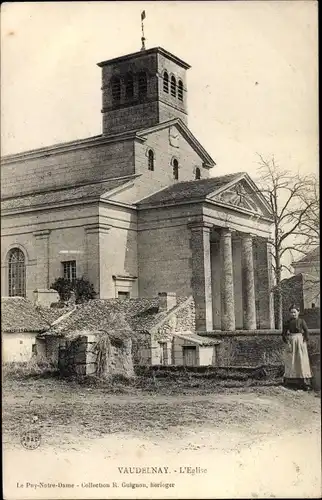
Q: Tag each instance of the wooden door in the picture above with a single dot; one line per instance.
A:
(189, 356)
(163, 353)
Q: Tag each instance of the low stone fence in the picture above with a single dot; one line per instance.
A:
(262, 347)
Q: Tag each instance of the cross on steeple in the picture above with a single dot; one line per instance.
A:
(142, 26)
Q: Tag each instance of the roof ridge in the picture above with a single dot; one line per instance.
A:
(308, 255)
(63, 316)
(171, 311)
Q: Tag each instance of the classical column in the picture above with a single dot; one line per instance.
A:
(227, 282)
(248, 283)
(201, 274)
(42, 252)
(264, 289)
(270, 283)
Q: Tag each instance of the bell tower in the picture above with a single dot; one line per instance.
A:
(143, 89)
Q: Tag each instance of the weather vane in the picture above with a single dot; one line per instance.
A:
(142, 26)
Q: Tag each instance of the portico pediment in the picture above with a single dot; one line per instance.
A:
(244, 195)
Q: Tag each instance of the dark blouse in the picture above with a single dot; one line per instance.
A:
(295, 326)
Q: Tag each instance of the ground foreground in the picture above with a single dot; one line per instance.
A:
(242, 442)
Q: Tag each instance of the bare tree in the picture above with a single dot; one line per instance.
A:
(308, 240)
(308, 232)
(293, 202)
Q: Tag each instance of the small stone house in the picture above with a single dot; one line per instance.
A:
(161, 330)
(21, 322)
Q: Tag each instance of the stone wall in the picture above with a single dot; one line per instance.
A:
(312, 317)
(255, 348)
(84, 354)
(261, 348)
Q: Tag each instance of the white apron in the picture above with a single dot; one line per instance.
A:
(296, 358)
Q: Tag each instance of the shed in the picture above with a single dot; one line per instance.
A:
(191, 349)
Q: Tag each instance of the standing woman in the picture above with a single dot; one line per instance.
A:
(297, 365)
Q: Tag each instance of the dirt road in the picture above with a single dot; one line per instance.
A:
(255, 443)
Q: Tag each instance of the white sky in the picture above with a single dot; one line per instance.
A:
(51, 84)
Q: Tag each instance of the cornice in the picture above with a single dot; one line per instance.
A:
(97, 227)
(199, 224)
(119, 277)
(42, 233)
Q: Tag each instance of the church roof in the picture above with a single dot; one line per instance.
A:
(312, 256)
(188, 190)
(71, 193)
(141, 53)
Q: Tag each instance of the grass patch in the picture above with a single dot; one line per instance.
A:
(32, 368)
(152, 380)
(183, 384)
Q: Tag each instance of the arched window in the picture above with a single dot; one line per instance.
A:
(198, 174)
(17, 273)
(150, 160)
(142, 84)
(180, 90)
(175, 169)
(116, 89)
(165, 82)
(173, 86)
(129, 86)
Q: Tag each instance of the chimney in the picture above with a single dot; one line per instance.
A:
(167, 300)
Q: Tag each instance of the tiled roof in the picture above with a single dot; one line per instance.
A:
(20, 315)
(61, 195)
(99, 315)
(51, 314)
(198, 339)
(312, 256)
(187, 190)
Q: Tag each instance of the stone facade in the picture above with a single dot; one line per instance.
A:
(134, 226)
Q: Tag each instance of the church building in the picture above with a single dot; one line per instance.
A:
(139, 209)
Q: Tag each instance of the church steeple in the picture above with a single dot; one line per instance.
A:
(143, 89)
